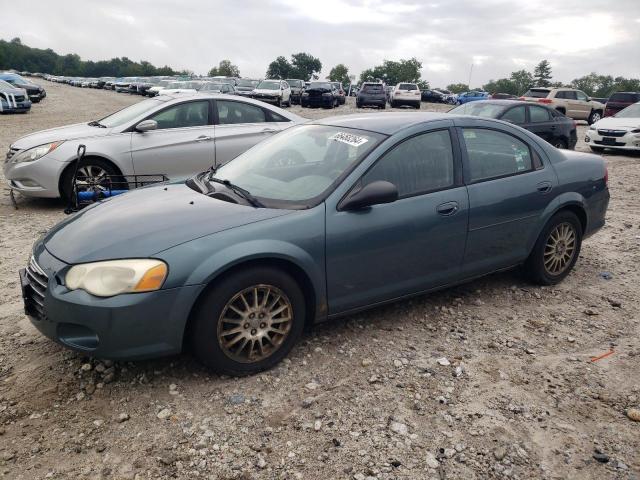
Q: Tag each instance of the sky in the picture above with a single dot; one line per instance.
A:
(448, 37)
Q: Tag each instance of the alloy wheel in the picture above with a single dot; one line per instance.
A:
(254, 323)
(91, 176)
(560, 248)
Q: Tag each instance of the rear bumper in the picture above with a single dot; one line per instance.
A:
(364, 101)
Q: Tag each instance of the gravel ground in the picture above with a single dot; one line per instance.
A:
(489, 380)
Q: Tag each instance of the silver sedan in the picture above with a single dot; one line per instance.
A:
(175, 135)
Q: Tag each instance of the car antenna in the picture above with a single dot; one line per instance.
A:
(73, 201)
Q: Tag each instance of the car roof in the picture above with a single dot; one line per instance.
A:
(386, 123)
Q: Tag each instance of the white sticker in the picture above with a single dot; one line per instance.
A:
(349, 139)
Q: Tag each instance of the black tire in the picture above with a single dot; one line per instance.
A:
(594, 116)
(358, 105)
(596, 149)
(384, 106)
(560, 143)
(66, 183)
(279, 104)
(418, 106)
(207, 320)
(535, 267)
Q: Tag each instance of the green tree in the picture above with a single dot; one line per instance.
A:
(280, 68)
(226, 69)
(423, 85)
(523, 80)
(305, 66)
(339, 73)
(392, 72)
(458, 87)
(502, 85)
(542, 74)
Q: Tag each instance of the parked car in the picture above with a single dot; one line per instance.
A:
(432, 96)
(619, 101)
(13, 99)
(371, 94)
(473, 96)
(157, 89)
(573, 103)
(213, 87)
(405, 94)
(35, 92)
(320, 94)
(502, 96)
(122, 84)
(175, 135)
(619, 132)
(273, 91)
(342, 96)
(548, 123)
(246, 86)
(297, 88)
(322, 220)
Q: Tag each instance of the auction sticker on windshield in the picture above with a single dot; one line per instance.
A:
(349, 139)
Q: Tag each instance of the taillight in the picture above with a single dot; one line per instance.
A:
(544, 100)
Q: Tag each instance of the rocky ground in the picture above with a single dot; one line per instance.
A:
(489, 380)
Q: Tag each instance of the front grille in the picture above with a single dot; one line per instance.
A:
(612, 133)
(611, 144)
(11, 153)
(19, 98)
(36, 289)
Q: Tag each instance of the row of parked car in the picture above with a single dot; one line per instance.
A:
(17, 93)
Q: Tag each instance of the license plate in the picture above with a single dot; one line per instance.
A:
(608, 140)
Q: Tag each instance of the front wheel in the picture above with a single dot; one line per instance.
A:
(560, 143)
(249, 322)
(556, 250)
(93, 173)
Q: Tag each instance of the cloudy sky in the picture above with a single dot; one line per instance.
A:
(496, 36)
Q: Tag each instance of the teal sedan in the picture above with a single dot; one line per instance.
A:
(322, 220)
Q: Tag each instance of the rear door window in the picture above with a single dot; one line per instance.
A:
(191, 114)
(538, 114)
(230, 112)
(493, 154)
(515, 115)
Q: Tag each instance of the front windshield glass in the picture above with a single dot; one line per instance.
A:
(269, 86)
(298, 164)
(632, 111)
(477, 109)
(130, 113)
(325, 85)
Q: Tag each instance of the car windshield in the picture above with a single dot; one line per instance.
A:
(130, 113)
(407, 86)
(294, 83)
(269, 86)
(320, 85)
(632, 111)
(372, 88)
(299, 164)
(536, 93)
(478, 109)
(247, 83)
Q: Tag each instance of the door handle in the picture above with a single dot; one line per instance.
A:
(203, 138)
(544, 187)
(447, 209)
(269, 130)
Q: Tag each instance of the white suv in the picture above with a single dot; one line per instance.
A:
(405, 94)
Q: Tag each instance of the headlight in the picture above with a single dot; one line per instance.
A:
(113, 277)
(305, 94)
(35, 153)
(636, 130)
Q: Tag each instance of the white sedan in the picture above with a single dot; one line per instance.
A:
(621, 132)
(175, 135)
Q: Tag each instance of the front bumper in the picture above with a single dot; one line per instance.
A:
(124, 327)
(266, 98)
(317, 101)
(39, 178)
(628, 141)
(24, 106)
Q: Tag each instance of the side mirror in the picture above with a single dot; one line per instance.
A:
(373, 193)
(589, 99)
(146, 125)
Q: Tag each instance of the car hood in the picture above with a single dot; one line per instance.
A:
(68, 132)
(12, 91)
(613, 122)
(146, 221)
(264, 91)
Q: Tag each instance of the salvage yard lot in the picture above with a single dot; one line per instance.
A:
(368, 396)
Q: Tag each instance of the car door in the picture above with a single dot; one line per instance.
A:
(181, 145)
(413, 244)
(540, 122)
(582, 104)
(574, 110)
(509, 187)
(239, 126)
(516, 115)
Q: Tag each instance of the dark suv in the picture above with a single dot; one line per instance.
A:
(619, 101)
(371, 94)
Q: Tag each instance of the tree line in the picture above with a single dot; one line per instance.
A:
(15, 55)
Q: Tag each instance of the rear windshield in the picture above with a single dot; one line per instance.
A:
(625, 97)
(377, 88)
(320, 85)
(407, 86)
(537, 93)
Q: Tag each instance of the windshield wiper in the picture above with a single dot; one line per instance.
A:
(94, 123)
(238, 190)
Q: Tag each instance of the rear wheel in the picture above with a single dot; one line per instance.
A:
(556, 250)
(249, 322)
(594, 117)
(417, 105)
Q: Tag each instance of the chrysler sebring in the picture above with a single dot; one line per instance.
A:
(318, 221)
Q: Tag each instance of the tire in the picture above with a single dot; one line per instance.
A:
(418, 106)
(596, 149)
(358, 105)
(209, 331)
(384, 106)
(279, 104)
(92, 165)
(541, 266)
(594, 116)
(560, 143)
